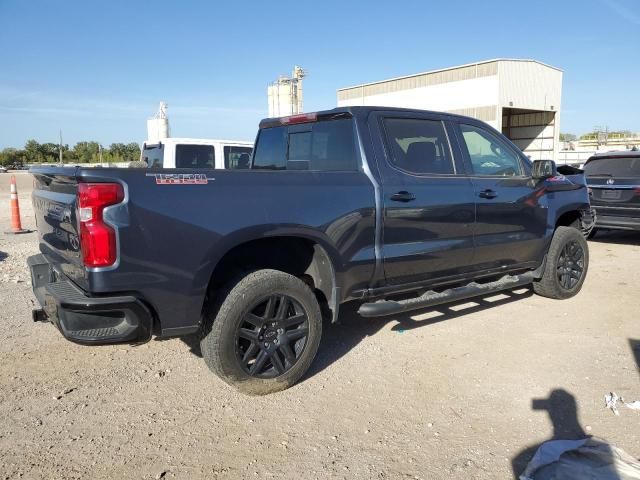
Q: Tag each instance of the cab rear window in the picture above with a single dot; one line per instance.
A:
(320, 146)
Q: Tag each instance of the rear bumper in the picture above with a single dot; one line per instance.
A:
(83, 319)
(618, 223)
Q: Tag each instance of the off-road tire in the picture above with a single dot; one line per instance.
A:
(549, 285)
(225, 313)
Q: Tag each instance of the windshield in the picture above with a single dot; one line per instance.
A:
(153, 155)
(615, 167)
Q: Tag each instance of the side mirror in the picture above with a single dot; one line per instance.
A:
(543, 169)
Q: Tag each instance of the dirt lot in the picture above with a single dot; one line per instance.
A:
(405, 397)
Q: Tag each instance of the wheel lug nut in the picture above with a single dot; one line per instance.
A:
(266, 345)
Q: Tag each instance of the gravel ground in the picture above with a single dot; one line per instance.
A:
(405, 397)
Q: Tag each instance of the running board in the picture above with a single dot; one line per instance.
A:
(431, 298)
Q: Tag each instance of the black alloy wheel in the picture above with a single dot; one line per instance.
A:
(570, 266)
(272, 336)
(566, 265)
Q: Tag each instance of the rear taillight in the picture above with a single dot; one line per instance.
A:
(97, 239)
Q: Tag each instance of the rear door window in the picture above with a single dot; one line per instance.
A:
(418, 146)
(237, 158)
(195, 156)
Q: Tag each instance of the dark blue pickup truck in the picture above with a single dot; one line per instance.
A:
(396, 209)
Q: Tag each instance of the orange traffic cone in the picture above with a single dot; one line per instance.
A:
(16, 224)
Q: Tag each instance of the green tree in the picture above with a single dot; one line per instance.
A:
(133, 152)
(33, 151)
(11, 156)
(50, 152)
(118, 150)
(82, 152)
(68, 156)
(567, 137)
(86, 152)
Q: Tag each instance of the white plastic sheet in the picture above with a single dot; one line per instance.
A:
(611, 402)
(588, 458)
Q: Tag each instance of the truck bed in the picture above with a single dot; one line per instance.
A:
(174, 226)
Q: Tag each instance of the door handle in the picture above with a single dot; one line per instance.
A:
(403, 196)
(488, 193)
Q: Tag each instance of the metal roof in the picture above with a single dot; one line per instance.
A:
(483, 62)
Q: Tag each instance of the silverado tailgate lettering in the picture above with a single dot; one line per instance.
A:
(180, 178)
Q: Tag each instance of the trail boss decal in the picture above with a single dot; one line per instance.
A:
(180, 178)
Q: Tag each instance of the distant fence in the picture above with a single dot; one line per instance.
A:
(84, 165)
(573, 157)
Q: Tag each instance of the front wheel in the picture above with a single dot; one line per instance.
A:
(566, 267)
(264, 334)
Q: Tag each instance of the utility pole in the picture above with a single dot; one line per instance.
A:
(60, 147)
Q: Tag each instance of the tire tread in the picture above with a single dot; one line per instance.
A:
(219, 313)
(548, 285)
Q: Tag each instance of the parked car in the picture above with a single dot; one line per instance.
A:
(396, 209)
(197, 153)
(614, 182)
(3, 170)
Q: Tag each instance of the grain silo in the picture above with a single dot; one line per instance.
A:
(158, 125)
(285, 94)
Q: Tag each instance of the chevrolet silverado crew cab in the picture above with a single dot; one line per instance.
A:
(395, 209)
(197, 153)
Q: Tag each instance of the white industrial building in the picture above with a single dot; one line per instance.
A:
(520, 98)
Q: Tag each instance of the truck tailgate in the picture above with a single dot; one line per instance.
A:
(54, 205)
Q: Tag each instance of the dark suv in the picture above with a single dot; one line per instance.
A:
(614, 182)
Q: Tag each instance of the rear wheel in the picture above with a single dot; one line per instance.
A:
(264, 333)
(566, 267)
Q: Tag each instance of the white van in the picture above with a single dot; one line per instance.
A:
(197, 153)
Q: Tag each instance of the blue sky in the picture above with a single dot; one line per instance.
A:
(97, 70)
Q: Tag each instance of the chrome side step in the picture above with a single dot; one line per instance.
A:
(431, 298)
